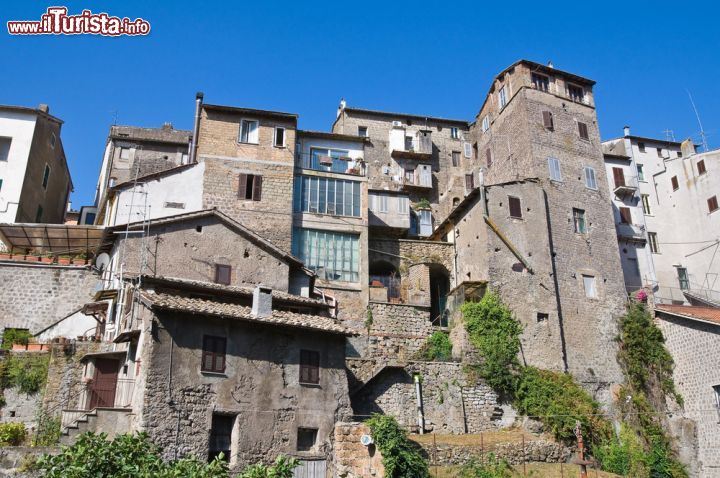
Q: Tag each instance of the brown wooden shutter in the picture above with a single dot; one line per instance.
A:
(257, 188)
(701, 166)
(309, 366)
(712, 203)
(488, 157)
(213, 357)
(625, 216)
(469, 181)
(547, 119)
(675, 184)
(515, 207)
(583, 130)
(242, 186)
(619, 177)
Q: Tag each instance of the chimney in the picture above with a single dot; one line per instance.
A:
(262, 301)
(626, 130)
(687, 147)
(44, 108)
(550, 64)
(342, 106)
(167, 126)
(192, 156)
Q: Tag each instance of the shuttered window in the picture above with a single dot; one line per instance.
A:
(515, 207)
(250, 187)
(590, 180)
(675, 183)
(213, 357)
(309, 366)
(554, 167)
(548, 120)
(469, 182)
(456, 159)
(222, 274)
(618, 177)
(701, 166)
(583, 130)
(625, 216)
(713, 204)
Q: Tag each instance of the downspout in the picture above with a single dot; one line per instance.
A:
(420, 411)
(196, 127)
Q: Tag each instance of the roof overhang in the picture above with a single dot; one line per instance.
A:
(56, 238)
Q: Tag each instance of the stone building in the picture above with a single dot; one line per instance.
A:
(134, 152)
(35, 182)
(692, 335)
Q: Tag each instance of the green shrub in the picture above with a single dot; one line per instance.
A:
(401, 457)
(623, 455)
(15, 336)
(27, 373)
(496, 336)
(48, 431)
(282, 468)
(437, 348)
(558, 402)
(491, 468)
(126, 456)
(12, 434)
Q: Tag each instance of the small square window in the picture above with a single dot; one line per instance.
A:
(675, 183)
(306, 438)
(279, 140)
(248, 131)
(310, 367)
(542, 317)
(454, 133)
(579, 221)
(515, 207)
(589, 285)
(641, 147)
(363, 131)
(712, 204)
(701, 167)
(5, 148)
(223, 274)
(125, 154)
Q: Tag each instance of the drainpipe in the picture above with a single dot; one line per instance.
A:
(196, 127)
(418, 394)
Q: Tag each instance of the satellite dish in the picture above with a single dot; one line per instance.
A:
(366, 440)
(102, 261)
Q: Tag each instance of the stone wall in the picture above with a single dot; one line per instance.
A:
(352, 459)
(695, 348)
(398, 331)
(516, 453)
(36, 296)
(451, 404)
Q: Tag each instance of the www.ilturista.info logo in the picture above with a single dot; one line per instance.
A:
(57, 22)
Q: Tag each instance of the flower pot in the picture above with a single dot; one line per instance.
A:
(5, 256)
(32, 258)
(64, 261)
(46, 260)
(79, 262)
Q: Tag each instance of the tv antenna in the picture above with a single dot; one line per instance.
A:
(697, 115)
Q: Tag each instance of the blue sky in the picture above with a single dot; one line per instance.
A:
(434, 58)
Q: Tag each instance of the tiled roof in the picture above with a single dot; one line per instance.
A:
(705, 314)
(238, 290)
(241, 312)
(158, 135)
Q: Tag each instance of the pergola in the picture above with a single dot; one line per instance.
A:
(52, 238)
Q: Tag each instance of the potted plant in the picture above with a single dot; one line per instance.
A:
(79, 260)
(47, 258)
(5, 256)
(64, 260)
(423, 204)
(31, 256)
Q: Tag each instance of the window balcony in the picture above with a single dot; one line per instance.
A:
(418, 147)
(415, 183)
(631, 232)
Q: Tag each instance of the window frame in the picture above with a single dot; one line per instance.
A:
(485, 124)
(336, 253)
(124, 149)
(250, 187)
(455, 158)
(284, 137)
(625, 215)
(653, 242)
(583, 131)
(503, 97)
(548, 120)
(701, 169)
(554, 161)
(46, 176)
(592, 291)
(454, 132)
(213, 354)
(309, 430)
(222, 269)
(683, 278)
(569, 87)
(640, 172)
(641, 147)
(544, 80)
(580, 225)
(674, 183)
(360, 129)
(309, 362)
(515, 205)
(590, 169)
(248, 139)
(645, 201)
(53, 140)
(712, 204)
(39, 214)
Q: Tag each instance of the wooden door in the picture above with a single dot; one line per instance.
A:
(311, 469)
(102, 388)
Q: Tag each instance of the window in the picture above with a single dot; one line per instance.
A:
(454, 132)
(469, 182)
(409, 146)
(379, 202)
(46, 177)
(652, 238)
(576, 93)
(659, 152)
(456, 158)
(410, 176)
(279, 140)
(583, 130)
(53, 139)
(250, 186)
(309, 367)
(306, 438)
(331, 160)
(467, 149)
(5, 148)
(590, 180)
(485, 123)
(542, 317)
(548, 120)
(220, 436)
(332, 255)
(425, 222)
(213, 356)
(579, 221)
(223, 274)
(701, 167)
(488, 157)
(502, 97)
(618, 177)
(39, 214)
(125, 154)
(515, 207)
(712, 204)
(554, 166)
(683, 279)
(641, 172)
(1, 181)
(716, 390)
(625, 215)
(363, 131)
(641, 147)
(645, 198)
(403, 204)
(338, 197)
(589, 285)
(675, 183)
(248, 131)
(540, 82)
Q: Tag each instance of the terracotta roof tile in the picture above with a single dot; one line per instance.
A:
(707, 314)
(241, 312)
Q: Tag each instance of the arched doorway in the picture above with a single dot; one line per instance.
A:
(439, 288)
(386, 273)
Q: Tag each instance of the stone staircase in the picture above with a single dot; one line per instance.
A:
(112, 421)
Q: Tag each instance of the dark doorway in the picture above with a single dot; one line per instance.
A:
(439, 288)
(102, 388)
(221, 436)
(388, 276)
